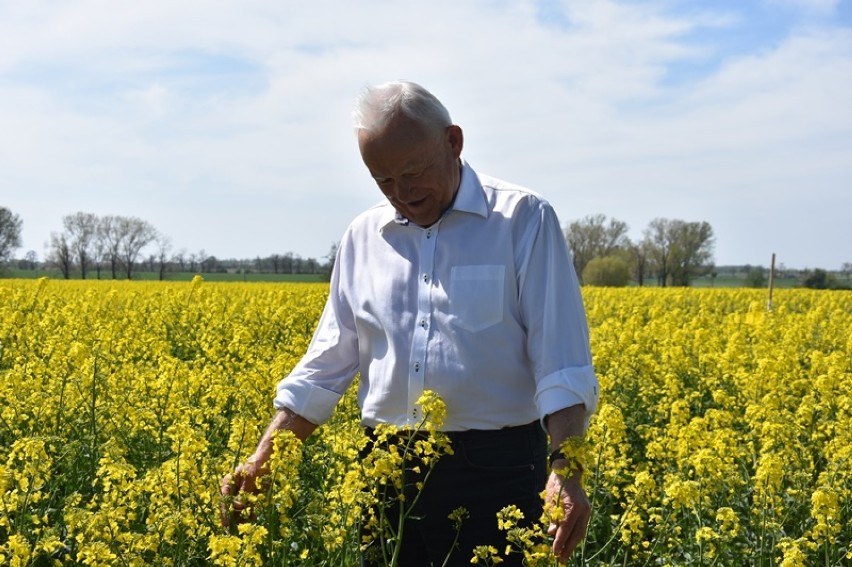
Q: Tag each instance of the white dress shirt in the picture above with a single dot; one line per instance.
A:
(483, 308)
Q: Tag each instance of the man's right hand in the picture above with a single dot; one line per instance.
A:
(245, 480)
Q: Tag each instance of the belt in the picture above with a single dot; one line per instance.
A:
(472, 434)
(490, 433)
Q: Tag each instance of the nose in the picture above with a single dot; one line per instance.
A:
(405, 191)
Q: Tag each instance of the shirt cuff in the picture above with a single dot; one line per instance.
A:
(311, 402)
(565, 388)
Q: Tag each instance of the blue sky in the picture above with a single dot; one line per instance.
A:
(227, 125)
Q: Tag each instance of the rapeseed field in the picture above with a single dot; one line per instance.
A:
(724, 434)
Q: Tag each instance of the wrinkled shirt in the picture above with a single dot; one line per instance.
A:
(483, 308)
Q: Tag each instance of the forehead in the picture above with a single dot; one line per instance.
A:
(402, 144)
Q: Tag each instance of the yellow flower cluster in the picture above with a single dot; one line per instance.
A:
(725, 429)
(123, 405)
(724, 432)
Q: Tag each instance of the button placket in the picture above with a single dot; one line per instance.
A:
(419, 343)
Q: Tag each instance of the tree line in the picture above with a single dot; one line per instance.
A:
(672, 251)
(119, 246)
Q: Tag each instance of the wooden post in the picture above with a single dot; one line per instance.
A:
(771, 281)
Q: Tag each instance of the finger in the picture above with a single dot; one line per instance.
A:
(552, 503)
(225, 490)
(560, 528)
(247, 480)
(224, 515)
(553, 525)
(576, 534)
(563, 534)
(231, 507)
(225, 486)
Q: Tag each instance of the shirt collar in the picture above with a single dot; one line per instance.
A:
(471, 196)
(469, 199)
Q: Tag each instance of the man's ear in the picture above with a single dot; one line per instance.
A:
(455, 137)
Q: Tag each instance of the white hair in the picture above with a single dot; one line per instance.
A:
(376, 106)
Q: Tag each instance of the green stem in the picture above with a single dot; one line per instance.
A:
(93, 424)
(614, 533)
(594, 495)
(656, 540)
(453, 546)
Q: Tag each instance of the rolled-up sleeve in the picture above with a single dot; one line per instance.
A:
(566, 388)
(555, 319)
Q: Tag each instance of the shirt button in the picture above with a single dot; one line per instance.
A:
(423, 323)
(429, 233)
(417, 367)
(425, 278)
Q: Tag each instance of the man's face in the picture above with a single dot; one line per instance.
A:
(418, 173)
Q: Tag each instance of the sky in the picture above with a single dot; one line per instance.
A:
(227, 125)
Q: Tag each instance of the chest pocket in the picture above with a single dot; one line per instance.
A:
(476, 296)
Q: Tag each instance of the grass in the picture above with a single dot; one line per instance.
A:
(172, 276)
(726, 281)
(740, 281)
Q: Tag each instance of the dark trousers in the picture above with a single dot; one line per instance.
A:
(488, 471)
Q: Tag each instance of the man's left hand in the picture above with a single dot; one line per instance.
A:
(569, 524)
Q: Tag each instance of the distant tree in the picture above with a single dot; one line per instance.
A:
(312, 266)
(163, 247)
(640, 257)
(593, 237)
(297, 263)
(330, 258)
(288, 263)
(692, 252)
(60, 254)
(206, 261)
(110, 237)
(657, 242)
(607, 271)
(818, 279)
(10, 233)
(211, 264)
(846, 269)
(195, 261)
(756, 278)
(100, 249)
(29, 261)
(81, 231)
(135, 234)
(180, 259)
(680, 250)
(821, 279)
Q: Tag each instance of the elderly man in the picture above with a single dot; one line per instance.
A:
(461, 284)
